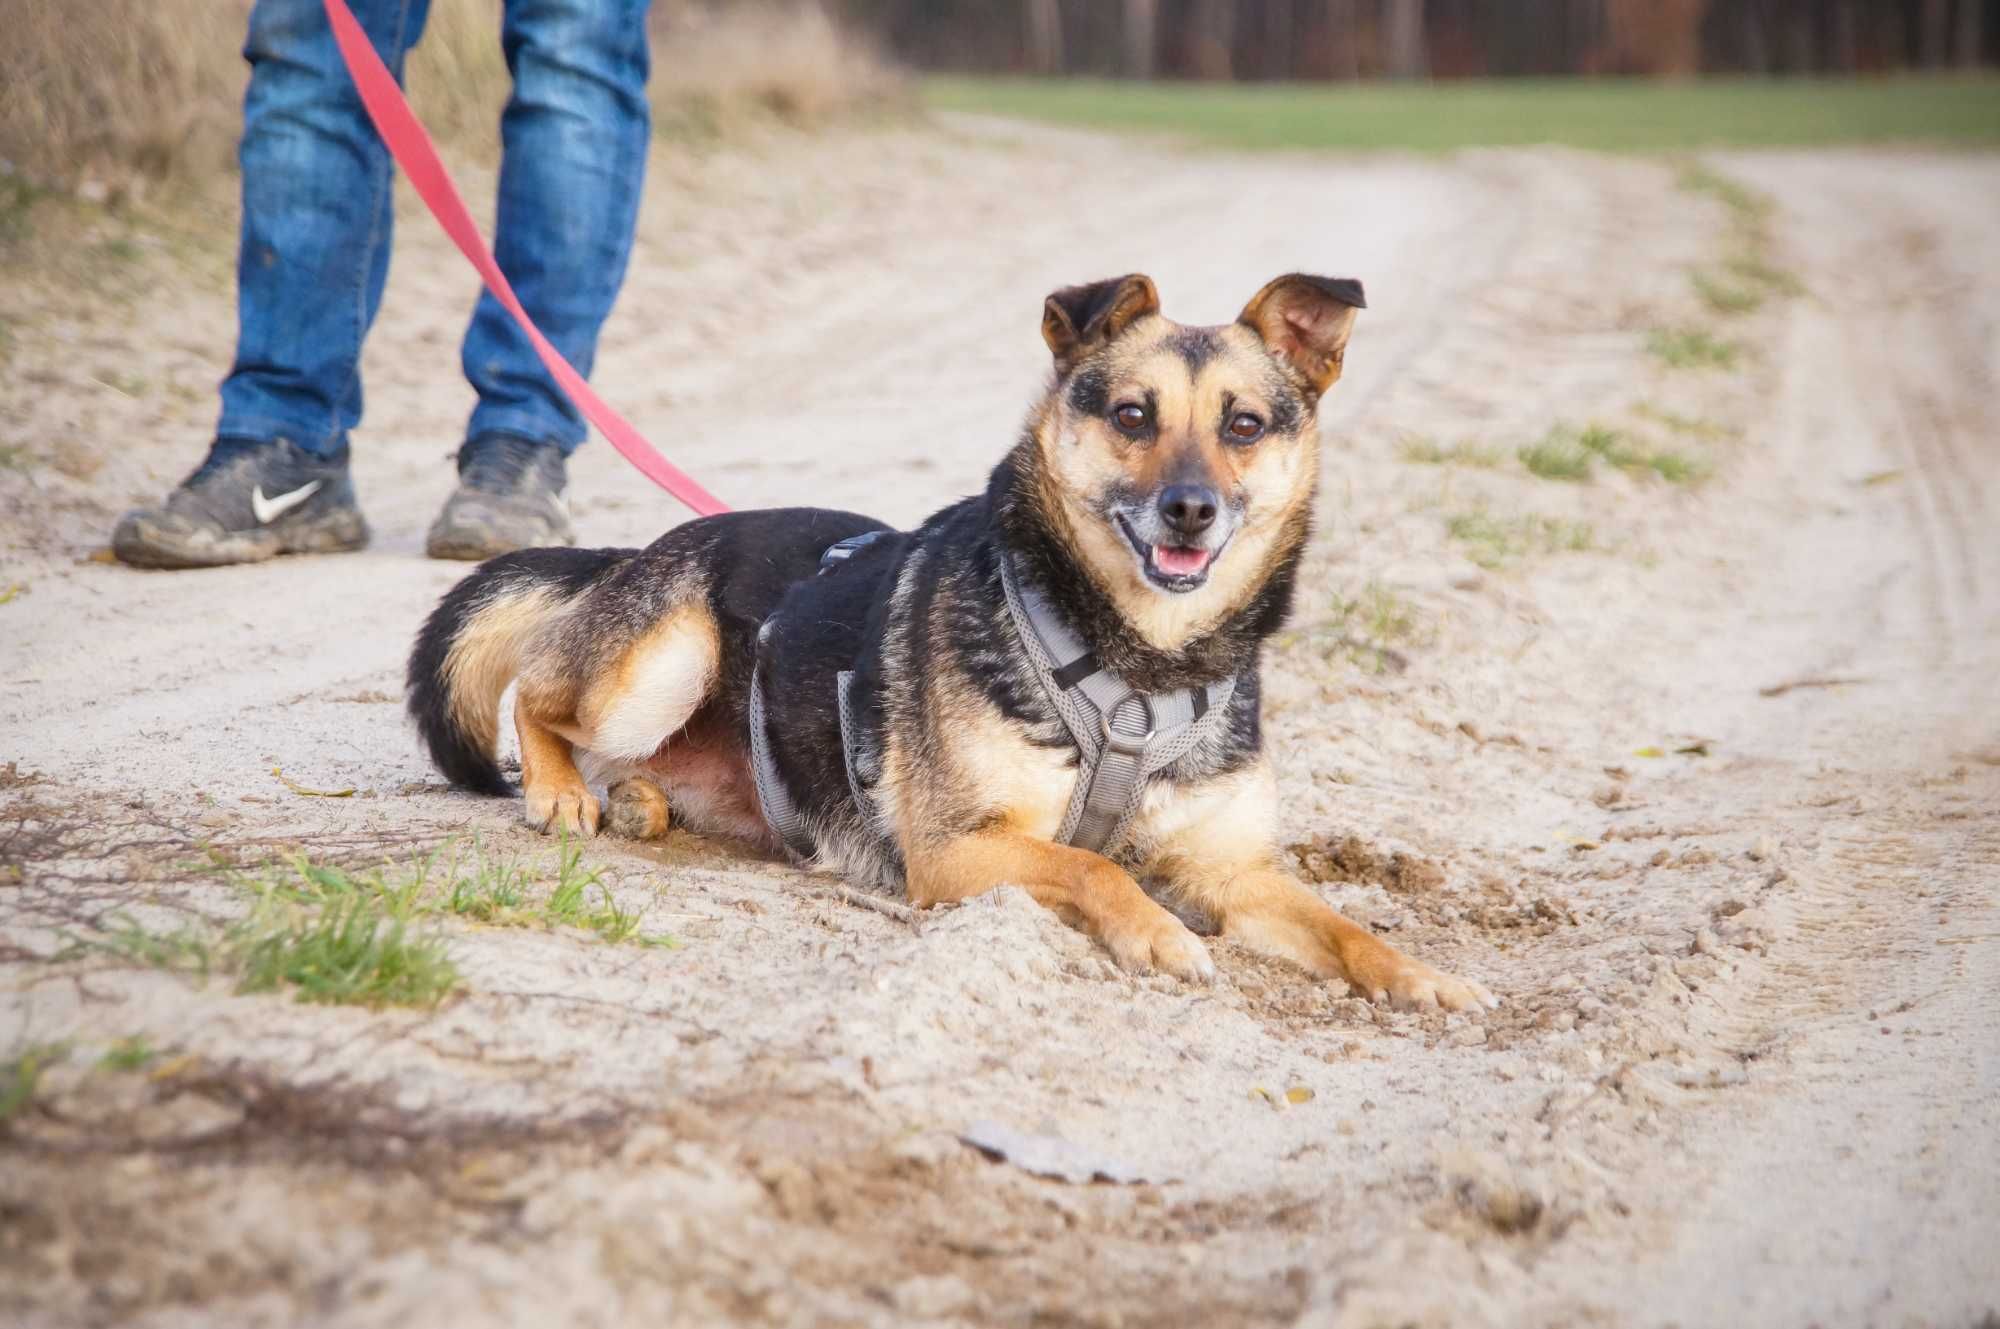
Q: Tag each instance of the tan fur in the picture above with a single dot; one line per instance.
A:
(553, 788)
(482, 659)
(1085, 456)
(636, 809)
(1213, 848)
(649, 693)
(1083, 887)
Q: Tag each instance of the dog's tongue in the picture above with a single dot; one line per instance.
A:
(1179, 562)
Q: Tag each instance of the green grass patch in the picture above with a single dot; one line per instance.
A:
(1494, 541)
(1423, 450)
(329, 933)
(128, 1054)
(21, 1077)
(1688, 426)
(1557, 456)
(349, 951)
(1761, 272)
(1368, 628)
(1747, 205)
(1723, 296)
(1677, 468)
(1602, 113)
(1693, 348)
(1568, 453)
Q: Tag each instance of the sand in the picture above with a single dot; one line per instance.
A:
(1713, 802)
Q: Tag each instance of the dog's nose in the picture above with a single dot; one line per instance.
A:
(1188, 509)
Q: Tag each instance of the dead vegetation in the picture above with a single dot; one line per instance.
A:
(114, 98)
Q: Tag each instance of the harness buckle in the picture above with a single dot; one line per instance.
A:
(1125, 744)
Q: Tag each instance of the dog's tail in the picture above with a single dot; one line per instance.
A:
(471, 646)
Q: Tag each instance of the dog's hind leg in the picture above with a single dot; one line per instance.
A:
(620, 718)
(636, 808)
(553, 787)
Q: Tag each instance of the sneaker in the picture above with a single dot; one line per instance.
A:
(510, 496)
(248, 501)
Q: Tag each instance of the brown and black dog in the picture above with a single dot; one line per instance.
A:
(913, 728)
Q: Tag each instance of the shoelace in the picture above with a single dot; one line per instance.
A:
(222, 456)
(499, 464)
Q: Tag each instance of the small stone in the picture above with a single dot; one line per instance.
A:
(1470, 1036)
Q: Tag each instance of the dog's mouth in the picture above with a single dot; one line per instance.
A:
(1171, 567)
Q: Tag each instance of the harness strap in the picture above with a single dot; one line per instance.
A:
(781, 814)
(1122, 736)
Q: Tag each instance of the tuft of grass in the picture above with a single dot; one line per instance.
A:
(128, 1054)
(1744, 203)
(1677, 468)
(349, 951)
(21, 1077)
(1686, 425)
(1726, 297)
(1367, 628)
(1568, 453)
(1759, 271)
(182, 951)
(1693, 348)
(1494, 541)
(1426, 451)
(1557, 456)
(347, 935)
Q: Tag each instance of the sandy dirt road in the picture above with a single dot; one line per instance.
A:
(1703, 778)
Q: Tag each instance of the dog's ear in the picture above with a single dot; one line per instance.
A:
(1304, 321)
(1078, 319)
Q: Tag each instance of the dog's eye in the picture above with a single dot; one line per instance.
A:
(1245, 427)
(1129, 417)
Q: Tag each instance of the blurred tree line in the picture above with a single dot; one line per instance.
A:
(1335, 39)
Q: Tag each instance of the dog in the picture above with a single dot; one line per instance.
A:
(1053, 683)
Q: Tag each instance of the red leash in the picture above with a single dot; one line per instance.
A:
(417, 155)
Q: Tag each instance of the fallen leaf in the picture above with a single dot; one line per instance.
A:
(304, 792)
(1052, 1156)
(14, 592)
(1298, 1093)
(1648, 752)
(1880, 478)
(1698, 748)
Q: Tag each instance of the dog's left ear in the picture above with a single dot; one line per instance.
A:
(1078, 319)
(1304, 321)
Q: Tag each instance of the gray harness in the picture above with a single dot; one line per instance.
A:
(1122, 736)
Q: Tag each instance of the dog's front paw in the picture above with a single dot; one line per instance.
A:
(1381, 973)
(1158, 940)
(563, 805)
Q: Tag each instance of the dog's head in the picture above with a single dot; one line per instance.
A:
(1184, 459)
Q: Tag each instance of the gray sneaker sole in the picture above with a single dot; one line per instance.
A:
(149, 538)
(473, 531)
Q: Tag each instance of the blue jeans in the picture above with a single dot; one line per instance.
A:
(317, 214)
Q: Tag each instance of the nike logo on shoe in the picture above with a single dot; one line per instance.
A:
(269, 510)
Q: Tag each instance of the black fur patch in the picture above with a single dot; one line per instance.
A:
(1195, 346)
(1089, 391)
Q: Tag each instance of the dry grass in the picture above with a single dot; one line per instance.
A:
(114, 95)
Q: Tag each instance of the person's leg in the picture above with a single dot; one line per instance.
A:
(312, 258)
(575, 134)
(317, 216)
